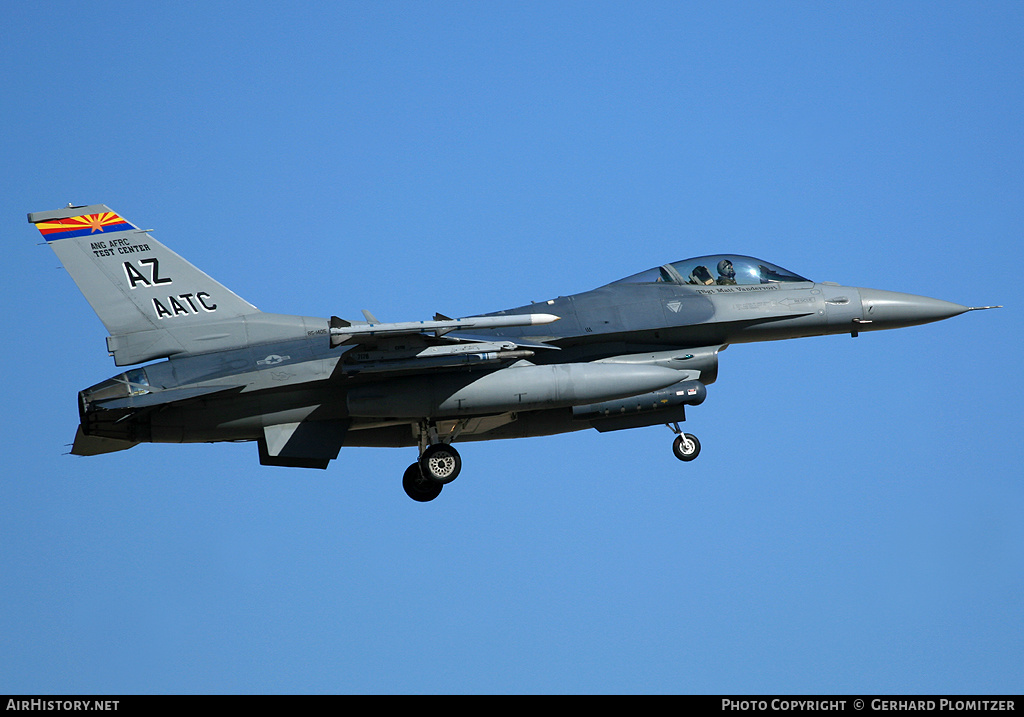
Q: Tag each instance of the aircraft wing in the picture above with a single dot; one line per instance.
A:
(370, 332)
(518, 341)
(376, 347)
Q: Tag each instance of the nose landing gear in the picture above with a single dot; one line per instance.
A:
(686, 447)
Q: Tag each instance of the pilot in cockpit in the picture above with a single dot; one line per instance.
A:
(726, 273)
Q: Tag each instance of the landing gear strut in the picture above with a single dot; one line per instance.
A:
(686, 447)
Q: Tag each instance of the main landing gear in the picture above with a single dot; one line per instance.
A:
(686, 447)
(439, 464)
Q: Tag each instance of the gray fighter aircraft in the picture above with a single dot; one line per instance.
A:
(632, 353)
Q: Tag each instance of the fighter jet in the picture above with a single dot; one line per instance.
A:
(636, 352)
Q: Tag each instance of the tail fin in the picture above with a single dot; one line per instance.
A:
(153, 302)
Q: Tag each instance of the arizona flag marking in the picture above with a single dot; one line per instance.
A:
(84, 225)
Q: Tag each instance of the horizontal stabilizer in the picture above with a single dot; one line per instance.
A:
(97, 445)
(162, 398)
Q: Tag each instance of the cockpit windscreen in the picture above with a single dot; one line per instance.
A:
(721, 270)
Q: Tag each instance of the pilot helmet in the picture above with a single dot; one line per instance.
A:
(725, 268)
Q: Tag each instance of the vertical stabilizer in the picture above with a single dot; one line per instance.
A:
(149, 298)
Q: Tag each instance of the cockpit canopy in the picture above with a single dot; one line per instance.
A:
(719, 270)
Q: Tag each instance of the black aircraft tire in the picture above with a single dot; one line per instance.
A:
(686, 447)
(418, 487)
(441, 463)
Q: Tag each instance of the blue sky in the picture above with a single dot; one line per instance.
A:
(853, 523)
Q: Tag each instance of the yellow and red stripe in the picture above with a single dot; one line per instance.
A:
(84, 225)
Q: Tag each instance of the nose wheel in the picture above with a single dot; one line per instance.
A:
(686, 447)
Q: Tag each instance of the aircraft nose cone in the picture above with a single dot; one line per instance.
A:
(891, 309)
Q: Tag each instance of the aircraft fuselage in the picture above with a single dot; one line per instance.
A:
(633, 353)
(305, 380)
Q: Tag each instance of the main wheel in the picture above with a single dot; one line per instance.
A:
(686, 446)
(418, 487)
(441, 463)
